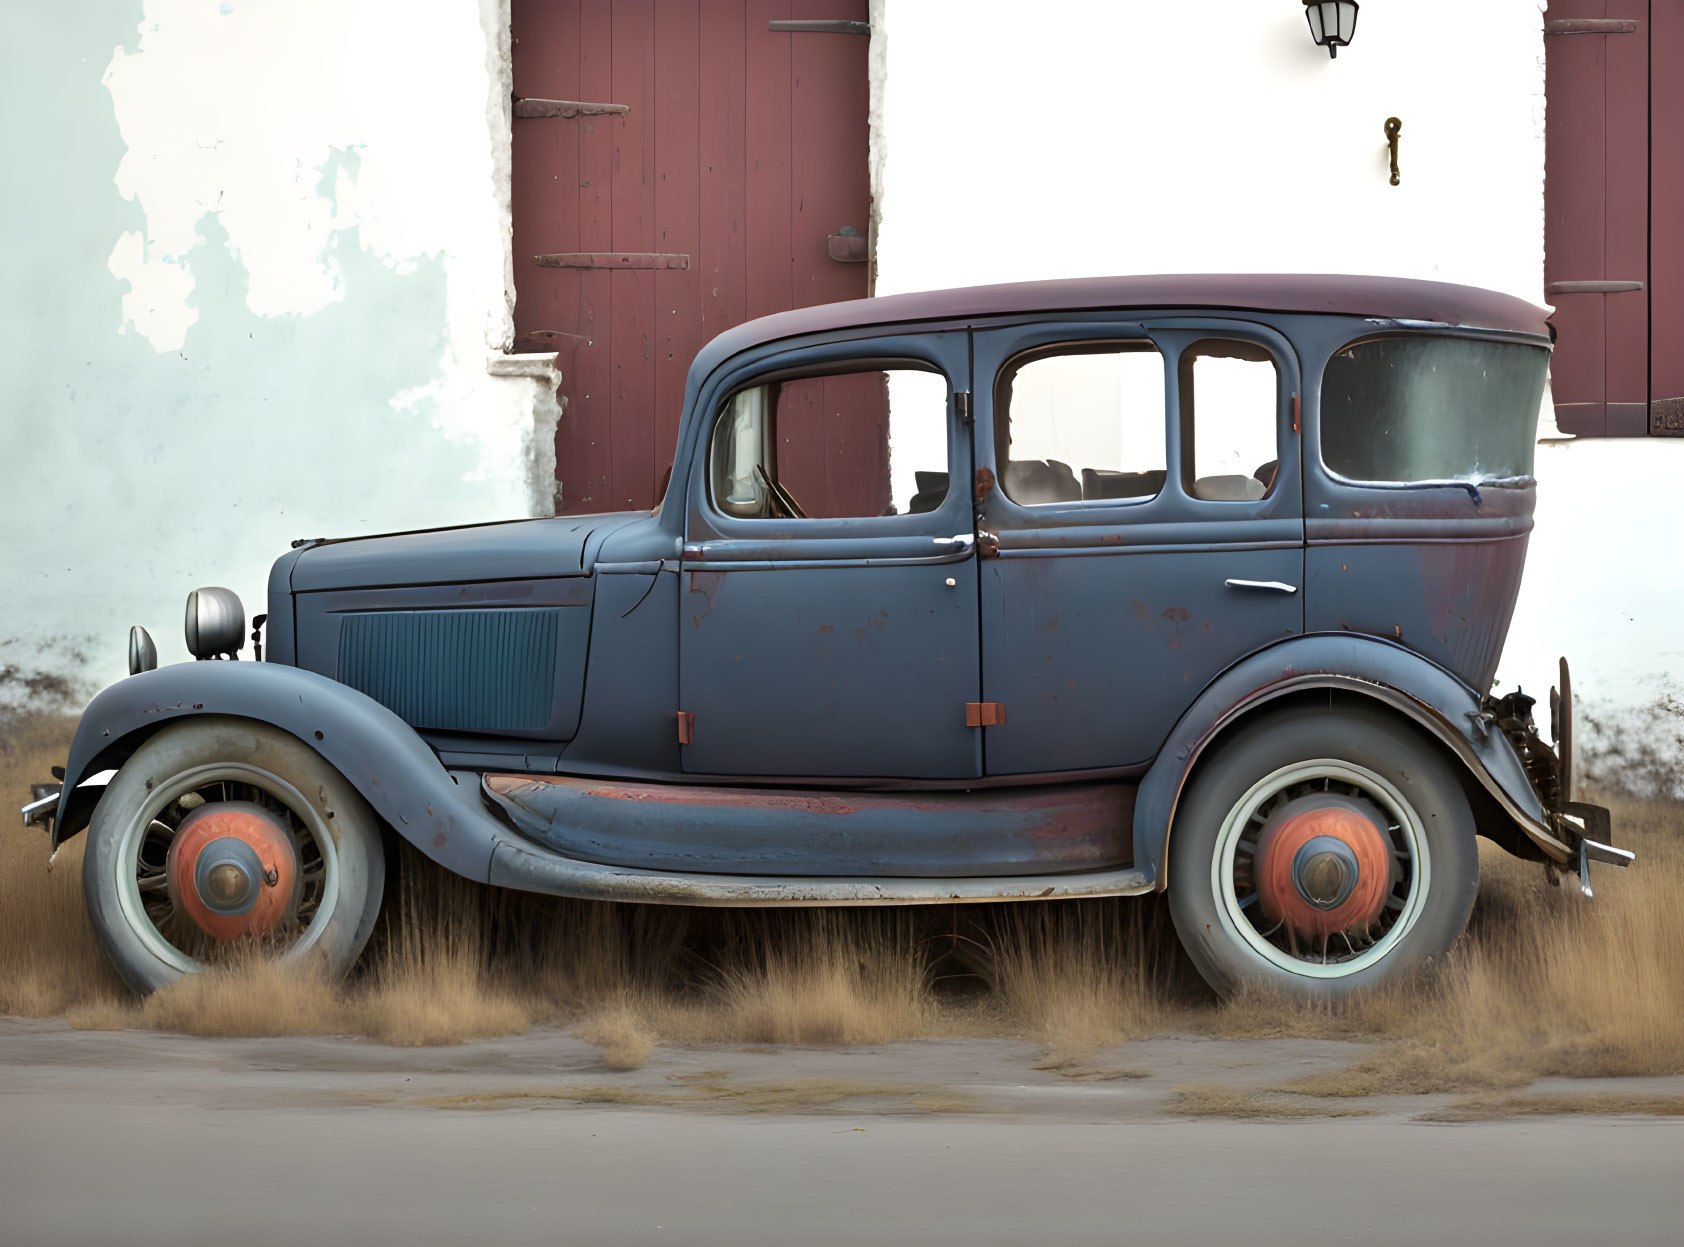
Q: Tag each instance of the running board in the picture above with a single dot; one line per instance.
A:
(537, 870)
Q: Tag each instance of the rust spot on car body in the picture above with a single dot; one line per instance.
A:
(707, 584)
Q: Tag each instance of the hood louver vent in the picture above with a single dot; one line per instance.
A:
(455, 670)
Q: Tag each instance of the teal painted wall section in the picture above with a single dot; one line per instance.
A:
(131, 475)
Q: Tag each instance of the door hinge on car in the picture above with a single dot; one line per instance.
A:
(686, 727)
(962, 406)
(984, 714)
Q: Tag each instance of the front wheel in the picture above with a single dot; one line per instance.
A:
(1319, 851)
(219, 835)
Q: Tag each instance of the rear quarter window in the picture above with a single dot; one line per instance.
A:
(1410, 409)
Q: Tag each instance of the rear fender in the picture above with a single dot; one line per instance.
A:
(1369, 667)
(373, 748)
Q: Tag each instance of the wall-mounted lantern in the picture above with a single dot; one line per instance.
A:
(1332, 23)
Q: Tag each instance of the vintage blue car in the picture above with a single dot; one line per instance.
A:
(1067, 589)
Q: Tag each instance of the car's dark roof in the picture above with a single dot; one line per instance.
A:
(1387, 298)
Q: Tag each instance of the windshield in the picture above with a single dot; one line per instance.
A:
(1432, 409)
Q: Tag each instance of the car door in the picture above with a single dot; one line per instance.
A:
(828, 596)
(1140, 483)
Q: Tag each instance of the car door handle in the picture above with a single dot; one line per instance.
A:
(1268, 586)
(958, 543)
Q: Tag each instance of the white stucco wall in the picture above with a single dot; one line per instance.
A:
(267, 267)
(1080, 137)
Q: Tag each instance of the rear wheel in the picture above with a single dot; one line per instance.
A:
(223, 835)
(1320, 851)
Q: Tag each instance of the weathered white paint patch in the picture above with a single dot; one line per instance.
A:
(308, 205)
(296, 123)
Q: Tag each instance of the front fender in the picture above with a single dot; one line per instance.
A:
(373, 748)
(1367, 666)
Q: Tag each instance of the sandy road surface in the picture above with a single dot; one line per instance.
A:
(137, 1137)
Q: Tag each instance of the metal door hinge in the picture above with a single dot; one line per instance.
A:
(962, 406)
(612, 260)
(984, 714)
(821, 26)
(527, 107)
(1591, 26)
(686, 727)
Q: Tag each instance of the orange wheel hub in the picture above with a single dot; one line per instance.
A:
(1324, 864)
(233, 868)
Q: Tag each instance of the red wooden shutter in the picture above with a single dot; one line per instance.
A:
(1666, 220)
(1596, 199)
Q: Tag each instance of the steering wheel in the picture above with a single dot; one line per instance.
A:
(781, 498)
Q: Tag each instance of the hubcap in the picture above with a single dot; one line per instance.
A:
(1325, 871)
(233, 869)
(1323, 864)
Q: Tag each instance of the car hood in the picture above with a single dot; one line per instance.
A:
(514, 550)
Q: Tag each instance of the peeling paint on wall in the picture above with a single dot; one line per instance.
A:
(263, 276)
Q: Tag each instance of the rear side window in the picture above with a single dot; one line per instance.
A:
(1084, 421)
(1432, 409)
(1229, 425)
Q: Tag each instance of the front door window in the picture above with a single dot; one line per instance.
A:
(846, 444)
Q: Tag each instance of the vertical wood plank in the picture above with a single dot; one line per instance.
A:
(632, 349)
(723, 126)
(770, 275)
(1666, 191)
(1626, 316)
(1575, 224)
(545, 161)
(830, 109)
(584, 439)
(678, 299)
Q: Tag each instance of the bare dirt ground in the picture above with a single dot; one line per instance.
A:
(145, 1137)
(515, 1069)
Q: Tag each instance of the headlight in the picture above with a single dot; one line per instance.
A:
(216, 622)
(143, 655)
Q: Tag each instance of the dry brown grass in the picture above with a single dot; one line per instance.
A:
(1595, 1103)
(621, 1034)
(810, 977)
(799, 1095)
(50, 960)
(1078, 977)
(248, 998)
(1544, 982)
(1212, 1100)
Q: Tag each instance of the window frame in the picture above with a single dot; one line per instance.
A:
(1013, 364)
(800, 372)
(940, 348)
(1185, 417)
(1402, 331)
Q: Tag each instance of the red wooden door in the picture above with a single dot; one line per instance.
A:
(708, 201)
(1596, 225)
